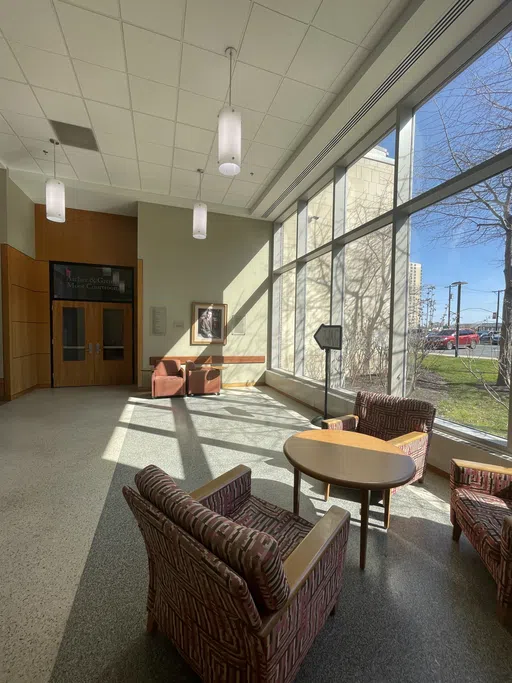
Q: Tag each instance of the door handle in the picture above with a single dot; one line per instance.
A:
(90, 347)
(97, 347)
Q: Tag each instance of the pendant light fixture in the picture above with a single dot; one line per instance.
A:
(200, 214)
(230, 132)
(55, 193)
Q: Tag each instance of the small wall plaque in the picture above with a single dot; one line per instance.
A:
(158, 316)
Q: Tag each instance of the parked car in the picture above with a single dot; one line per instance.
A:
(488, 337)
(445, 339)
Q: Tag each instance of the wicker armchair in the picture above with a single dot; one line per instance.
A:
(240, 586)
(404, 422)
(481, 507)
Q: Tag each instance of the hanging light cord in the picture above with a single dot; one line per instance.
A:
(200, 171)
(54, 161)
(230, 72)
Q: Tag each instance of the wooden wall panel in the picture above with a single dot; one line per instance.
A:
(26, 306)
(87, 237)
(139, 323)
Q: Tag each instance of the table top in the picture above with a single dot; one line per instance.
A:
(211, 367)
(349, 459)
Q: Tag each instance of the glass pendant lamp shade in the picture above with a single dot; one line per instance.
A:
(230, 141)
(199, 221)
(55, 201)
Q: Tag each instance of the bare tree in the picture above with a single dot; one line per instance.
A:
(466, 123)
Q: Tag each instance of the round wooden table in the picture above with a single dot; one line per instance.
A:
(352, 460)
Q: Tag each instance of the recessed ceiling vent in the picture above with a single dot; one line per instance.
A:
(416, 53)
(74, 136)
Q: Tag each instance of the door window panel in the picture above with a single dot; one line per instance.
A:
(113, 334)
(73, 334)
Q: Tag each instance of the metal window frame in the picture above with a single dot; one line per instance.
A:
(404, 206)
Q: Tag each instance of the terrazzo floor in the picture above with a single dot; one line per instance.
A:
(73, 564)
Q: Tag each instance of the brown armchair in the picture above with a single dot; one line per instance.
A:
(168, 379)
(241, 587)
(202, 380)
(404, 422)
(481, 507)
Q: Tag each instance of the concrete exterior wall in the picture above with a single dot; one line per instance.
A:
(442, 449)
(230, 266)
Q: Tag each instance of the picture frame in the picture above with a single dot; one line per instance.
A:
(209, 324)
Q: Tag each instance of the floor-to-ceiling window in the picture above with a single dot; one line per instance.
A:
(388, 270)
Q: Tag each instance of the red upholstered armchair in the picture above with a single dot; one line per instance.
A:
(241, 587)
(168, 379)
(202, 380)
(404, 422)
(481, 507)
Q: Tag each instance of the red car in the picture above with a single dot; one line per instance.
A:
(445, 339)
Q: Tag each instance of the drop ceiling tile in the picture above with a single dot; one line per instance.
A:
(277, 132)
(88, 165)
(37, 150)
(61, 107)
(104, 85)
(319, 58)
(321, 108)
(14, 155)
(303, 132)
(295, 101)
(162, 16)
(204, 73)
(253, 174)
(29, 126)
(271, 40)
(385, 22)
(155, 154)
(216, 24)
(194, 139)
(182, 179)
(263, 155)
(32, 22)
(63, 170)
(304, 10)
(154, 178)
(185, 191)
(117, 144)
(251, 121)
(191, 161)
(18, 97)
(254, 88)
(4, 126)
(46, 69)
(216, 182)
(197, 110)
(92, 37)
(9, 67)
(153, 98)
(212, 196)
(110, 7)
(152, 56)
(240, 201)
(242, 188)
(153, 129)
(341, 19)
(122, 172)
(109, 119)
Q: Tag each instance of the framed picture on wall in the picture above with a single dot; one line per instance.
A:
(209, 323)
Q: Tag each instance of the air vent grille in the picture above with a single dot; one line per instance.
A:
(430, 38)
(74, 136)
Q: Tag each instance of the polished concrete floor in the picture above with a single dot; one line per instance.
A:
(73, 565)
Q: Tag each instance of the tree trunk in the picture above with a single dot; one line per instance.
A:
(504, 364)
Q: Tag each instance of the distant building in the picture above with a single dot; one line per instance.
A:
(414, 300)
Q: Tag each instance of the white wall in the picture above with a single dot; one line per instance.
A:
(442, 448)
(20, 220)
(230, 266)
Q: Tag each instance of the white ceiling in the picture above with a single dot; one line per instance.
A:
(149, 77)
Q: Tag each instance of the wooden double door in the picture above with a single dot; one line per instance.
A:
(92, 343)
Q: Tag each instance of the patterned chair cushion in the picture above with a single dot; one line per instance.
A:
(481, 518)
(387, 417)
(288, 529)
(251, 553)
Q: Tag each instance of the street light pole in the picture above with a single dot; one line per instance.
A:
(457, 316)
(449, 287)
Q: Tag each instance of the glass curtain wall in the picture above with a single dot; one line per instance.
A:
(391, 273)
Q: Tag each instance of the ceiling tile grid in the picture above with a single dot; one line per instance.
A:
(150, 78)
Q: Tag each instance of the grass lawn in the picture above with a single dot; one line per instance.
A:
(464, 401)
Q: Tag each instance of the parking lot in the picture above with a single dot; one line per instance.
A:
(481, 351)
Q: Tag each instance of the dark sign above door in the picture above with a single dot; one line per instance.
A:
(81, 282)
